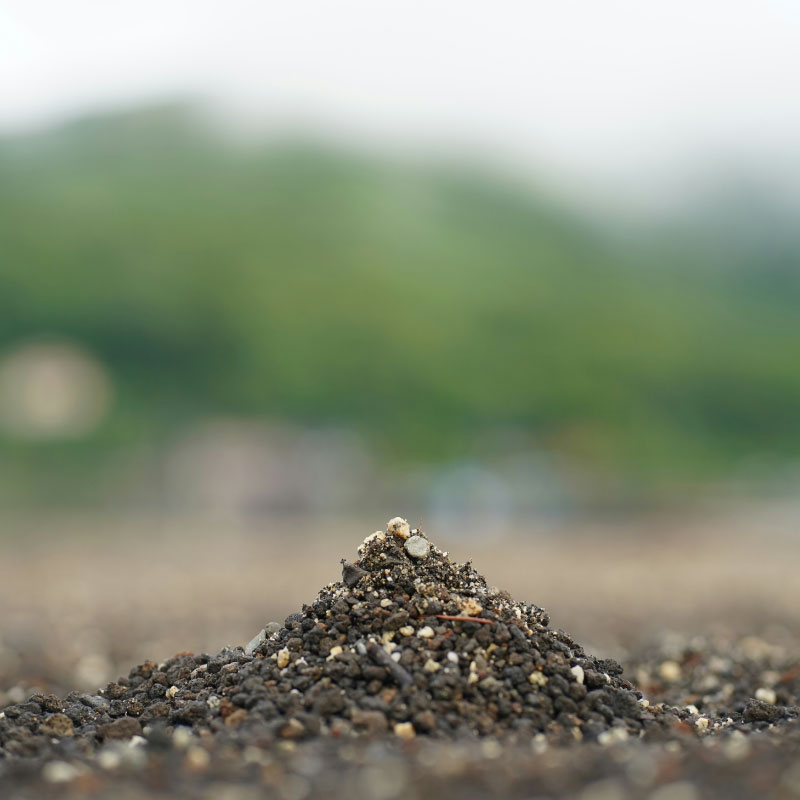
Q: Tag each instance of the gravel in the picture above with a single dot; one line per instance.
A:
(411, 647)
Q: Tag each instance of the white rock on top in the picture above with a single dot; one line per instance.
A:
(417, 546)
(399, 527)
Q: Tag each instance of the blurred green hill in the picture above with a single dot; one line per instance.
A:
(431, 308)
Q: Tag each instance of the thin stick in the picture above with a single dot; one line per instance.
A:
(465, 619)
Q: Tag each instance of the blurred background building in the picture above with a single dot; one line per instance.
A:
(476, 261)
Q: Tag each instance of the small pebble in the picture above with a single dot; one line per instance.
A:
(399, 527)
(59, 772)
(577, 671)
(405, 730)
(537, 678)
(109, 759)
(260, 637)
(417, 547)
(426, 632)
(766, 695)
(57, 725)
(197, 758)
(670, 671)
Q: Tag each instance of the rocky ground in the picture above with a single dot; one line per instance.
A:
(411, 677)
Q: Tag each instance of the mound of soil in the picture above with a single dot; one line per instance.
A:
(408, 644)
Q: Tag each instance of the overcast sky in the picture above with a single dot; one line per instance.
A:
(588, 86)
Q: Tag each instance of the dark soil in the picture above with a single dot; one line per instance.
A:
(410, 677)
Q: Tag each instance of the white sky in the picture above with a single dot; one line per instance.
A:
(592, 87)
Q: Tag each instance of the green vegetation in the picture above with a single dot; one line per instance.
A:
(427, 307)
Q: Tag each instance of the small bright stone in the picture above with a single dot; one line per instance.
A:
(766, 695)
(405, 730)
(670, 671)
(399, 527)
(417, 547)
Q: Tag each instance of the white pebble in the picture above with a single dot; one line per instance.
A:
(255, 642)
(405, 730)
(335, 651)
(452, 657)
(536, 678)
(491, 748)
(171, 692)
(431, 666)
(197, 758)
(59, 772)
(471, 607)
(577, 671)
(426, 632)
(612, 736)
(386, 602)
(182, 737)
(670, 671)
(701, 723)
(406, 630)
(417, 547)
(109, 759)
(766, 695)
(399, 527)
(282, 658)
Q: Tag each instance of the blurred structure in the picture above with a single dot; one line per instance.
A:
(51, 391)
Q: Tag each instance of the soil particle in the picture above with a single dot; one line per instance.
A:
(58, 725)
(122, 728)
(417, 547)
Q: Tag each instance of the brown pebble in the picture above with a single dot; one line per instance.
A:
(374, 722)
(58, 725)
(236, 718)
(122, 728)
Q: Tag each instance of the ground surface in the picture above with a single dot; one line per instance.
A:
(700, 612)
